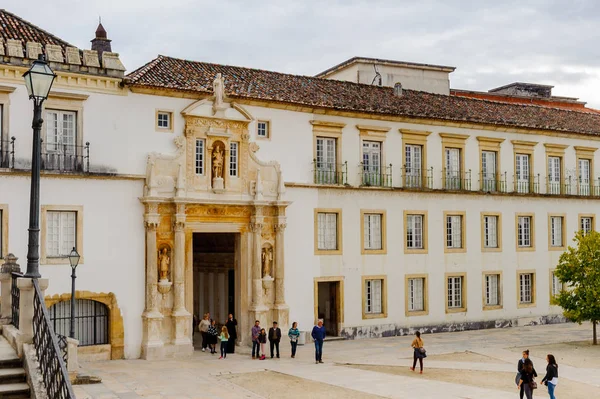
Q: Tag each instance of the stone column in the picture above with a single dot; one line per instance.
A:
(152, 344)
(181, 317)
(258, 310)
(26, 299)
(281, 308)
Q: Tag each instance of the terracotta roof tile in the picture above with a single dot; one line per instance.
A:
(16, 28)
(191, 76)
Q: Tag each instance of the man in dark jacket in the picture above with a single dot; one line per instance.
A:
(318, 334)
(274, 338)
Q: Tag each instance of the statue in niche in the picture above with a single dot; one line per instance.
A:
(267, 261)
(218, 157)
(218, 90)
(163, 262)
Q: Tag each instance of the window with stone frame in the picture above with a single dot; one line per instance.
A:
(454, 226)
(556, 231)
(416, 297)
(199, 156)
(61, 233)
(233, 159)
(262, 129)
(455, 292)
(490, 231)
(524, 231)
(163, 120)
(557, 286)
(586, 224)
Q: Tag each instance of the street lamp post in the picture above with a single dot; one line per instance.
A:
(38, 80)
(74, 260)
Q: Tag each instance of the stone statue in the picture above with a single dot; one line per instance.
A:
(163, 261)
(267, 261)
(218, 90)
(217, 162)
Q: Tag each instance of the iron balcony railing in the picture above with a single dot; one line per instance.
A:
(493, 183)
(371, 176)
(589, 188)
(7, 153)
(16, 299)
(49, 354)
(330, 173)
(417, 178)
(65, 157)
(456, 180)
(530, 185)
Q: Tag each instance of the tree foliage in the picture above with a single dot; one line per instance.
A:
(579, 271)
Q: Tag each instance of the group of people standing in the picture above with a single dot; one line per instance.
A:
(526, 375)
(260, 337)
(211, 335)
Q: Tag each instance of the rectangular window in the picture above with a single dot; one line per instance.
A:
(413, 174)
(584, 176)
(522, 173)
(556, 231)
(233, 159)
(490, 229)
(61, 132)
(199, 156)
(557, 286)
(524, 231)
(262, 129)
(414, 232)
(554, 175)
(163, 120)
(526, 288)
(372, 231)
(373, 296)
(61, 233)
(371, 164)
(416, 300)
(454, 226)
(455, 292)
(453, 172)
(326, 167)
(488, 170)
(327, 225)
(492, 289)
(586, 224)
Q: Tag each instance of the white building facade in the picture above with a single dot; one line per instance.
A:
(207, 188)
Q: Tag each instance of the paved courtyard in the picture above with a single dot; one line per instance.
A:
(472, 364)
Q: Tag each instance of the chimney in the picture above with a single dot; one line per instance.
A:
(101, 43)
(398, 89)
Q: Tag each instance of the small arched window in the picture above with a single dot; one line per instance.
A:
(91, 321)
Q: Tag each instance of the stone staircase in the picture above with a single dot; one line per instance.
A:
(13, 381)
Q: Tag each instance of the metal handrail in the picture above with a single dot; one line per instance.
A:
(531, 185)
(376, 176)
(456, 180)
(416, 178)
(65, 157)
(330, 173)
(493, 183)
(52, 365)
(15, 293)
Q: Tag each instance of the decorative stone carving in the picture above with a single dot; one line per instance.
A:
(219, 91)
(207, 210)
(164, 262)
(10, 265)
(33, 50)
(267, 261)
(14, 48)
(90, 58)
(73, 56)
(218, 157)
(54, 53)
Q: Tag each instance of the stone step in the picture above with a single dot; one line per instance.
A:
(12, 375)
(14, 391)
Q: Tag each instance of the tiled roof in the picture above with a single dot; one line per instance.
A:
(191, 76)
(13, 27)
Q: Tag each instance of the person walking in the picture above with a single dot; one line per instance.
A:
(526, 381)
(255, 343)
(262, 339)
(418, 351)
(213, 335)
(294, 334)
(318, 334)
(224, 337)
(551, 378)
(203, 327)
(231, 325)
(274, 338)
(525, 356)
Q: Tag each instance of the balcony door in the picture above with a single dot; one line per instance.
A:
(584, 177)
(326, 168)
(488, 170)
(522, 172)
(453, 178)
(413, 173)
(59, 150)
(372, 163)
(553, 175)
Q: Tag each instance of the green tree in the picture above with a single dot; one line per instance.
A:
(579, 271)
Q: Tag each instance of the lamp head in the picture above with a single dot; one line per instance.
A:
(39, 79)
(74, 258)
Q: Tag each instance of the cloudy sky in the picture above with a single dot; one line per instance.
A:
(491, 43)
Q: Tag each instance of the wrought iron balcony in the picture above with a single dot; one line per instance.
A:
(530, 185)
(375, 176)
(416, 178)
(589, 188)
(493, 183)
(66, 158)
(330, 173)
(456, 180)
(7, 153)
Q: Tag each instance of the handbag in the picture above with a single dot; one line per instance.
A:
(422, 351)
(533, 385)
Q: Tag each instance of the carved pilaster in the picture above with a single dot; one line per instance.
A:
(256, 227)
(279, 263)
(180, 314)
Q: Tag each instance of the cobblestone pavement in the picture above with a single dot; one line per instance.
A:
(203, 375)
